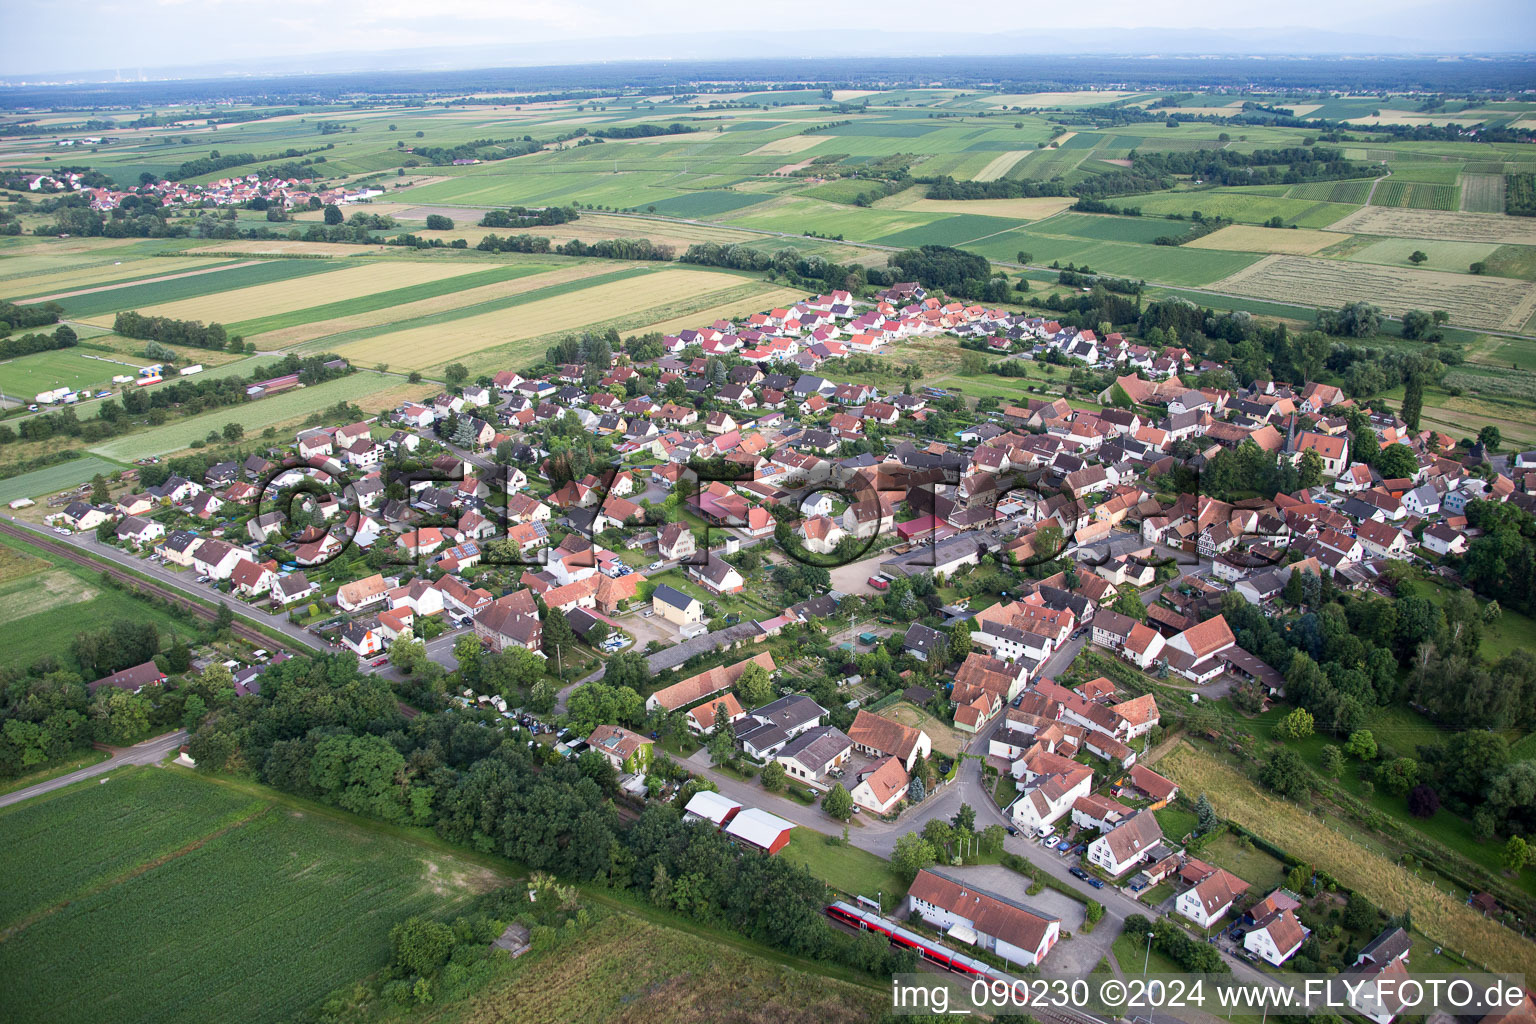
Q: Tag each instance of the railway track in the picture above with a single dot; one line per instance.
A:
(73, 554)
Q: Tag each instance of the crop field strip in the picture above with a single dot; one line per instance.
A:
(1251, 238)
(1416, 195)
(1483, 302)
(466, 277)
(1482, 193)
(356, 325)
(141, 296)
(643, 296)
(612, 272)
(308, 896)
(352, 279)
(69, 274)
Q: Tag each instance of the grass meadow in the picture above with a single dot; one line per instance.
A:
(1386, 883)
(253, 416)
(56, 600)
(169, 898)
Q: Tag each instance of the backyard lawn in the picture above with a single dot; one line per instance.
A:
(845, 868)
(1260, 870)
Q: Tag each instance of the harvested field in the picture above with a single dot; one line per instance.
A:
(1386, 884)
(1471, 301)
(1018, 209)
(1450, 225)
(789, 144)
(303, 333)
(625, 969)
(1482, 193)
(416, 348)
(353, 281)
(1002, 164)
(1249, 238)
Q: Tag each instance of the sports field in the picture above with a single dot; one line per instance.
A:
(169, 898)
(26, 376)
(253, 416)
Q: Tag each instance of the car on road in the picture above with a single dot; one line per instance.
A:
(1080, 873)
(103, 394)
(380, 662)
(1097, 883)
(653, 567)
(1012, 831)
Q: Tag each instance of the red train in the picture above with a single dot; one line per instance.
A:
(868, 920)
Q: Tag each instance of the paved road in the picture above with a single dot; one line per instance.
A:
(148, 752)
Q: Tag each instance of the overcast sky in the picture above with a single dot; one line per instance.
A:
(40, 36)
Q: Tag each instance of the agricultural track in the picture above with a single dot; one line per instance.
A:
(197, 608)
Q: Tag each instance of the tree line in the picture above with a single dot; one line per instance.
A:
(321, 730)
(169, 331)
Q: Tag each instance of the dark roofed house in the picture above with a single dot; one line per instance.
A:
(132, 679)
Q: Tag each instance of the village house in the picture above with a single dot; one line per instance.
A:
(978, 918)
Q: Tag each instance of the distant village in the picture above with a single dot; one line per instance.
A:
(286, 193)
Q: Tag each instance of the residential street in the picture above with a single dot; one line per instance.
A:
(148, 752)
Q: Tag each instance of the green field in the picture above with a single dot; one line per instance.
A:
(848, 869)
(25, 377)
(137, 296)
(169, 898)
(54, 478)
(253, 416)
(1416, 195)
(49, 607)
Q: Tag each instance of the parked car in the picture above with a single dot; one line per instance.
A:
(380, 662)
(1097, 883)
(653, 567)
(1079, 873)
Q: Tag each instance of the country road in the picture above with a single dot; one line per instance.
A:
(148, 752)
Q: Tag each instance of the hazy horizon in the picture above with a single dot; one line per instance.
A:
(109, 39)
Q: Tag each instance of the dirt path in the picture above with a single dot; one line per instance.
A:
(1372, 193)
(147, 280)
